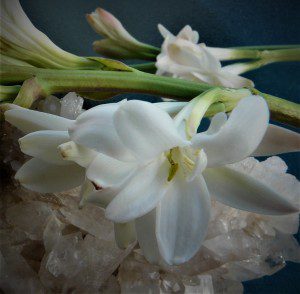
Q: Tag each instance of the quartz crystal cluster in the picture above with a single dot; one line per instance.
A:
(69, 106)
(48, 244)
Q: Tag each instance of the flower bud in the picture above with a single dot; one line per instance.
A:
(118, 41)
(21, 42)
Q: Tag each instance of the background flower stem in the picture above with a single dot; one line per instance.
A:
(43, 82)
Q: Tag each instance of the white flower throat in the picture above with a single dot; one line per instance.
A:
(190, 161)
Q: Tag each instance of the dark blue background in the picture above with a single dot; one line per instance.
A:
(219, 23)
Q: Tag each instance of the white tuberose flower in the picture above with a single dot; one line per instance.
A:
(47, 171)
(22, 41)
(182, 57)
(145, 161)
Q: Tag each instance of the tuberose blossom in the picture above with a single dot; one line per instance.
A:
(153, 174)
(117, 42)
(47, 171)
(149, 171)
(181, 56)
(59, 164)
(23, 44)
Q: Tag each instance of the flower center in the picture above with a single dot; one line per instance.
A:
(191, 162)
(173, 166)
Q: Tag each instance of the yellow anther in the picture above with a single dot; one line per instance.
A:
(172, 171)
(173, 166)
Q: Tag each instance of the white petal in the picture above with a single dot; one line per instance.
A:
(216, 123)
(210, 62)
(185, 53)
(223, 53)
(141, 194)
(228, 79)
(240, 67)
(188, 34)
(35, 40)
(95, 129)
(241, 191)
(183, 115)
(43, 145)
(71, 151)
(145, 230)
(145, 129)
(29, 121)
(106, 171)
(124, 234)
(206, 77)
(278, 140)
(87, 188)
(171, 107)
(182, 220)
(43, 177)
(200, 165)
(239, 136)
(100, 197)
(163, 31)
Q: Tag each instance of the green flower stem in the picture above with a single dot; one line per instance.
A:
(282, 110)
(261, 58)
(61, 81)
(274, 52)
(43, 82)
(281, 55)
(268, 47)
(145, 67)
(9, 92)
(274, 55)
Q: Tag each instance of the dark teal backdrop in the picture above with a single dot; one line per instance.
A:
(219, 23)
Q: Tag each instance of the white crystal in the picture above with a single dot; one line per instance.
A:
(52, 232)
(111, 286)
(71, 105)
(136, 275)
(201, 284)
(50, 104)
(77, 263)
(30, 217)
(90, 218)
(64, 258)
(171, 283)
(13, 236)
(16, 275)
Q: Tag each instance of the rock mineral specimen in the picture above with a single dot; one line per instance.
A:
(49, 245)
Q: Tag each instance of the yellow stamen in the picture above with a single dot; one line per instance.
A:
(172, 171)
(173, 166)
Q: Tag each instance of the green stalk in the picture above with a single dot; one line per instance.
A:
(61, 81)
(281, 55)
(282, 110)
(275, 55)
(281, 52)
(145, 67)
(43, 82)
(267, 47)
(9, 92)
(261, 58)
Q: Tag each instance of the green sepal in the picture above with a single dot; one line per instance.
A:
(111, 64)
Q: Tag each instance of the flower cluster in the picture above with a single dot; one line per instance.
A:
(150, 170)
(181, 56)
